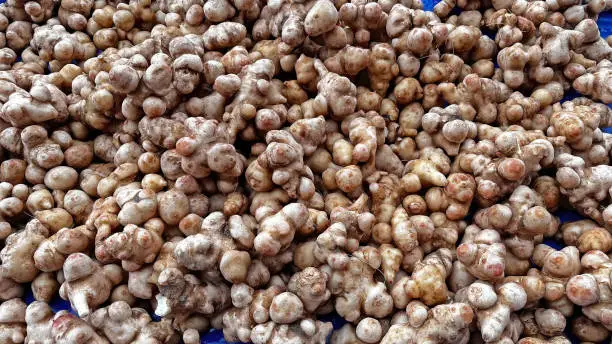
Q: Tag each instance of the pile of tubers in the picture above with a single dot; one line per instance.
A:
(172, 166)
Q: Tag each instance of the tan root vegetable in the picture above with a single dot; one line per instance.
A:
(255, 166)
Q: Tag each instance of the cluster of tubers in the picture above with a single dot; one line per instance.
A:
(252, 165)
